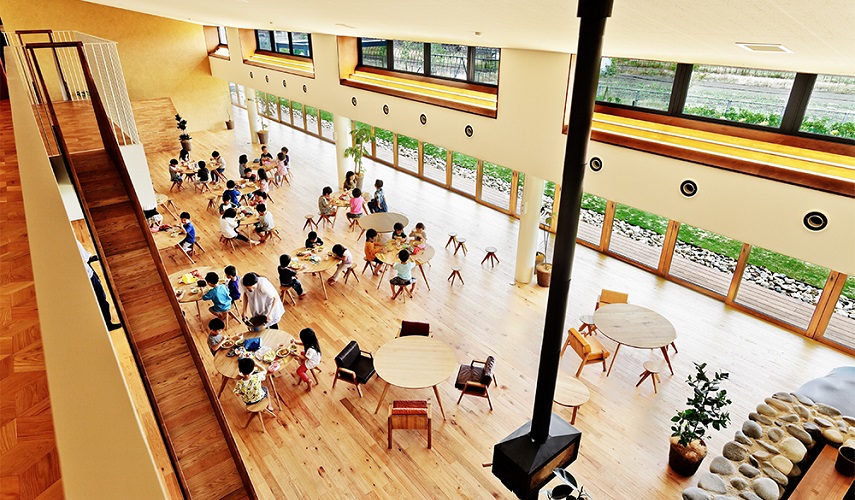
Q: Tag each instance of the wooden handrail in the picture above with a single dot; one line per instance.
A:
(111, 147)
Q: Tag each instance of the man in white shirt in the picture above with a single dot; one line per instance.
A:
(262, 299)
(88, 258)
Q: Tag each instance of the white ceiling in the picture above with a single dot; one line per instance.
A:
(820, 33)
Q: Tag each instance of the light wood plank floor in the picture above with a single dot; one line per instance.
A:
(335, 445)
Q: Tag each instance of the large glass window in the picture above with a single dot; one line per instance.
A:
(385, 145)
(520, 185)
(783, 287)
(487, 65)
(449, 61)
(233, 92)
(408, 56)
(464, 172)
(373, 51)
(705, 258)
(221, 35)
(408, 153)
(284, 42)
(434, 162)
(241, 95)
(297, 115)
(638, 235)
(284, 110)
(311, 120)
(636, 82)
(743, 95)
(591, 217)
(841, 326)
(326, 124)
(496, 185)
(831, 109)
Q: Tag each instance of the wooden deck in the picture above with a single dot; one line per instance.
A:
(707, 277)
(635, 250)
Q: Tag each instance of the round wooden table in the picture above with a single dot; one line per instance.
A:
(382, 222)
(414, 362)
(389, 257)
(635, 326)
(227, 366)
(188, 297)
(572, 393)
(167, 204)
(169, 239)
(247, 219)
(304, 265)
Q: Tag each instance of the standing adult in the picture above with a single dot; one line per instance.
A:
(262, 299)
(88, 259)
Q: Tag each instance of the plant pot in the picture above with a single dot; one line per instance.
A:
(187, 144)
(544, 274)
(685, 460)
(230, 124)
(539, 258)
(359, 180)
(262, 136)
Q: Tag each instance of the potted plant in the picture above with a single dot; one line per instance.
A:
(263, 133)
(360, 137)
(184, 137)
(706, 408)
(230, 124)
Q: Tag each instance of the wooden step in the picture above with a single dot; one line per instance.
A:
(191, 418)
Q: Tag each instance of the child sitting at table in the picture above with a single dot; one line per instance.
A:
(229, 226)
(372, 248)
(250, 386)
(258, 196)
(418, 235)
(288, 276)
(233, 192)
(184, 157)
(311, 356)
(226, 203)
(398, 233)
(152, 216)
(325, 204)
(313, 241)
(281, 169)
(345, 259)
(404, 272)
(244, 171)
(203, 175)
(349, 181)
(219, 295)
(357, 205)
(264, 226)
(263, 182)
(218, 167)
(265, 156)
(233, 282)
(189, 232)
(216, 336)
(174, 175)
(378, 203)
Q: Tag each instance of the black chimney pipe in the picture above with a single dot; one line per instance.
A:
(593, 15)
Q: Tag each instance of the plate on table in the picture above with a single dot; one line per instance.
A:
(282, 352)
(228, 344)
(262, 352)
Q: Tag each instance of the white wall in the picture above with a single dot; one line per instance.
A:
(526, 136)
(103, 452)
(135, 161)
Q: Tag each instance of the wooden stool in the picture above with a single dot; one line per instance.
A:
(178, 184)
(370, 263)
(226, 242)
(452, 238)
(328, 219)
(212, 205)
(401, 288)
(491, 254)
(259, 409)
(571, 393)
(651, 369)
(196, 245)
(455, 273)
(286, 290)
(587, 327)
(202, 187)
(460, 243)
(354, 223)
(310, 222)
(350, 272)
(274, 233)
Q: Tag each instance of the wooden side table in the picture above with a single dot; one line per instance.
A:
(822, 481)
(572, 393)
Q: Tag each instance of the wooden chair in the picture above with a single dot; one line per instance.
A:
(274, 233)
(286, 290)
(350, 272)
(651, 369)
(587, 326)
(370, 264)
(588, 348)
(410, 415)
(310, 222)
(328, 219)
(226, 242)
(202, 186)
(403, 288)
(354, 223)
(455, 274)
(414, 328)
(460, 243)
(212, 203)
(196, 245)
(452, 239)
(475, 380)
(258, 410)
(353, 365)
(491, 255)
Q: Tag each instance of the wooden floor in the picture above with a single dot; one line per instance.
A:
(29, 462)
(334, 444)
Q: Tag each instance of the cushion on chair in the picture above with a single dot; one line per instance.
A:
(597, 349)
(487, 375)
(468, 373)
(363, 366)
(579, 343)
(414, 328)
(409, 407)
(347, 355)
(612, 297)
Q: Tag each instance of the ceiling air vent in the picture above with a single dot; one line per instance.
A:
(764, 47)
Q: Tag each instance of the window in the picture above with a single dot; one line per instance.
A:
(841, 326)
(284, 42)
(464, 172)
(636, 82)
(743, 95)
(434, 162)
(439, 60)
(638, 235)
(591, 218)
(705, 258)
(408, 153)
(496, 185)
(233, 92)
(385, 145)
(831, 108)
(221, 35)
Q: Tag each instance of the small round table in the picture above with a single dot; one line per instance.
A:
(414, 362)
(303, 264)
(389, 257)
(382, 222)
(227, 366)
(635, 326)
(189, 297)
(170, 238)
(167, 204)
(572, 393)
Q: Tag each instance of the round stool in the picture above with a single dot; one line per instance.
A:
(460, 243)
(455, 273)
(452, 238)
(587, 327)
(491, 254)
(572, 393)
(651, 369)
(310, 222)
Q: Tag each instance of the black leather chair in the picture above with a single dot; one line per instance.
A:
(414, 328)
(475, 380)
(354, 365)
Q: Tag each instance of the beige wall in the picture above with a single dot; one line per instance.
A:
(103, 452)
(160, 57)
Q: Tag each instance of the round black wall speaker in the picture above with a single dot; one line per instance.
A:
(815, 221)
(688, 188)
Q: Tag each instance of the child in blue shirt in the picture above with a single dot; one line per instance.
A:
(232, 191)
(234, 282)
(189, 232)
(219, 295)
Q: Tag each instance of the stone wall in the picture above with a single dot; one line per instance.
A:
(771, 449)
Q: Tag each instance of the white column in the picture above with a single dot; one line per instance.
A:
(252, 110)
(532, 200)
(341, 134)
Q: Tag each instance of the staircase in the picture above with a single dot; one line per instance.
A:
(194, 428)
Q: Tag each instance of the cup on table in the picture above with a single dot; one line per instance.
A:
(845, 463)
